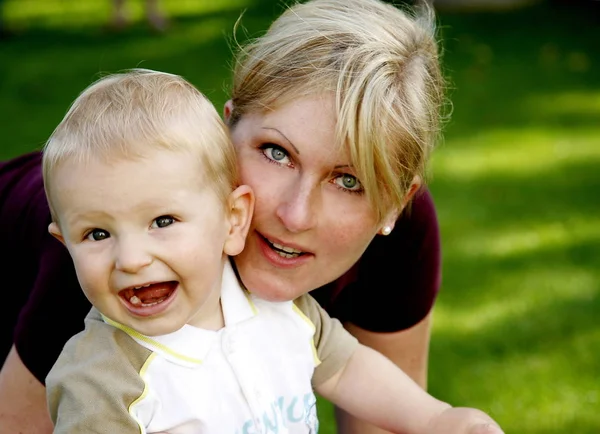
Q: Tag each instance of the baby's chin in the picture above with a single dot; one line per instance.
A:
(154, 326)
(158, 329)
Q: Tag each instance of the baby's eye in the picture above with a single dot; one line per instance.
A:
(163, 221)
(97, 235)
(275, 153)
(348, 182)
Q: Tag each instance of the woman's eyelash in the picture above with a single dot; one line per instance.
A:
(359, 191)
(265, 147)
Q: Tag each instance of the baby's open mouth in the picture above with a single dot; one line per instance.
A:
(149, 295)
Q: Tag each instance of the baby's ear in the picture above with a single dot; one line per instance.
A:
(54, 230)
(241, 208)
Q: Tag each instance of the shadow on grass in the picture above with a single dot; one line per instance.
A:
(497, 60)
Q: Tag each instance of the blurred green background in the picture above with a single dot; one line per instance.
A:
(516, 180)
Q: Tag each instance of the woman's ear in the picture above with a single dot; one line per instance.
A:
(227, 110)
(390, 220)
(241, 209)
(54, 230)
(415, 185)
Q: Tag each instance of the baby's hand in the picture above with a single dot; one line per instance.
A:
(462, 420)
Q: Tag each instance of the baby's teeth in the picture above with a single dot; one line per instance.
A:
(135, 300)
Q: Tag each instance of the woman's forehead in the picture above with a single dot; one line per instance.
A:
(311, 107)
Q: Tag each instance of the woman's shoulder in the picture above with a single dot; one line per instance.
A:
(415, 236)
(22, 197)
(420, 215)
(21, 167)
(21, 182)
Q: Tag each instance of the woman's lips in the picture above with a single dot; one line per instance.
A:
(282, 255)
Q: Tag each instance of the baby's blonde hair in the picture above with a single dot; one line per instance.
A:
(129, 114)
(382, 65)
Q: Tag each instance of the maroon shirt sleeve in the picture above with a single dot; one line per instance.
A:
(395, 283)
(46, 306)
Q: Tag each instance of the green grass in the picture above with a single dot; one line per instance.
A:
(517, 180)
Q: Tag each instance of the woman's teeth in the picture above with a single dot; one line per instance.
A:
(284, 251)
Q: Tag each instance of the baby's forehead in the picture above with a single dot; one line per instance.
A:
(155, 174)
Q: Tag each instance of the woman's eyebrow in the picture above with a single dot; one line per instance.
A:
(283, 135)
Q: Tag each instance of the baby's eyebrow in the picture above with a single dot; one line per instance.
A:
(283, 135)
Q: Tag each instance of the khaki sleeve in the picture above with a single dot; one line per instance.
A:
(95, 380)
(334, 344)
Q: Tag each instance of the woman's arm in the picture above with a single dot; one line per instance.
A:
(408, 349)
(23, 406)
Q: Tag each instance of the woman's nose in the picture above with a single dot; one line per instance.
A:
(298, 208)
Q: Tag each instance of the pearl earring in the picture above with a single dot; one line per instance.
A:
(386, 230)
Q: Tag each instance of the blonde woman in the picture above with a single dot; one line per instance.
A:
(334, 113)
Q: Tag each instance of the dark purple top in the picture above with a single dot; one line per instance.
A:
(391, 288)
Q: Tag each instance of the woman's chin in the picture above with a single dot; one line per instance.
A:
(275, 294)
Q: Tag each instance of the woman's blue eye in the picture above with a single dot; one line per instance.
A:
(98, 235)
(275, 153)
(163, 221)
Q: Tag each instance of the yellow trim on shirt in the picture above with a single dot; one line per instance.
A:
(144, 392)
(307, 320)
(137, 335)
(247, 294)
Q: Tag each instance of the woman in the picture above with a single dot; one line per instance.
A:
(333, 113)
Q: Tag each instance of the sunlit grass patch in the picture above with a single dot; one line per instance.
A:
(521, 152)
(578, 104)
(519, 241)
(83, 13)
(509, 297)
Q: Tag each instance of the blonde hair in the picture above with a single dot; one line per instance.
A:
(126, 115)
(382, 65)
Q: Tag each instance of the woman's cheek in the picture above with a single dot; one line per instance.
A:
(250, 171)
(350, 213)
(266, 182)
